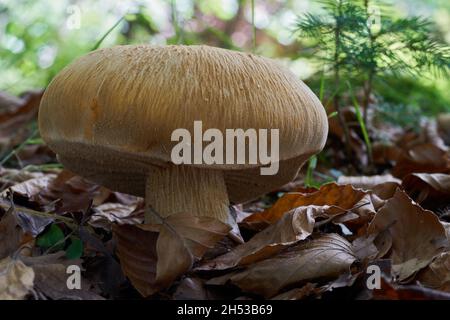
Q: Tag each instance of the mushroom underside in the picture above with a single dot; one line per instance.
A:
(169, 188)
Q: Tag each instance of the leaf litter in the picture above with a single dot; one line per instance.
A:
(294, 243)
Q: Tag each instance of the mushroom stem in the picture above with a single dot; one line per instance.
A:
(184, 189)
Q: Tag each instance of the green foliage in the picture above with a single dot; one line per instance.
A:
(399, 45)
(75, 248)
(407, 91)
(360, 119)
(346, 40)
(53, 238)
(354, 41)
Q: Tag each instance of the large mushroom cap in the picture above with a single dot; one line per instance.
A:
(110, 114)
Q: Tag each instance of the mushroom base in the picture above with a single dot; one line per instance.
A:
(185, 189)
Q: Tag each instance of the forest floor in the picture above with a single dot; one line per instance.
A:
(378, 236)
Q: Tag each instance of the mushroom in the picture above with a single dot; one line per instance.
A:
(110, 114)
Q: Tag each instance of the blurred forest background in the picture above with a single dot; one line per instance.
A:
(38, 38)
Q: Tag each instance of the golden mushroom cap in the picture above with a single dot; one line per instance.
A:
(110, 114)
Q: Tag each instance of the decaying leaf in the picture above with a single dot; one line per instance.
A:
(364, 247)
(10, 234)
(136, 249)
(108, 213)
(417, 234)
(191, 289)
(16, 279)
(32, 187)
(15, 114)
(333, 195)
(437, 274)
(323, 258)
(50, 277)
(298, 293)
(391, 291)
(424, 157)
(295, 225)
(153, 256)
(427, 186)
(183, 239)
(367, 182)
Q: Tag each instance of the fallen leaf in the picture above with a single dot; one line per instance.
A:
(325, 257)
(430, 187)
(364, 247)
(342, 196)
(108, 213)
(136, 249)
(11, 177)
(437, 274)
(10, 234)
(32, 224)
(417, 234)
(15, 116)
(295, 225)
(385, 190)
(426, 158)
(191, 289)
(32, 187)
(391, 291)
(16, 279)
(153, 255)
(307, 290)
(102, 268)
(367, 182)
(184, 238)
(51, 277)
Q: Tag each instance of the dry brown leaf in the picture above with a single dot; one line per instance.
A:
(367, 182)
(136, 249)
(184, 238)
(298, 293)
(385, 190)
(333, 195)
(11, 177)
(295, 225)
(417, 234)
(32, 187)
(385, 153)
(10, 234)
(437, 274)
(108, 213)
(422, 158)
(191, 289)
(153, 256)
(75, 193)
(16, 279)
(50, 279)
(447, 229)
(391, 291)
(364, 247)
(326, 257)
(15, 116)
(434, 187)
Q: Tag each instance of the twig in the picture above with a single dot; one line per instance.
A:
(18, 148)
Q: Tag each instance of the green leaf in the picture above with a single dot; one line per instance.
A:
(309, 179)
(360, 119)
(75, 249)
(333, 114)
(53, 237)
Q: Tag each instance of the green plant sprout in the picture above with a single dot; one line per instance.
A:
(358, 40)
